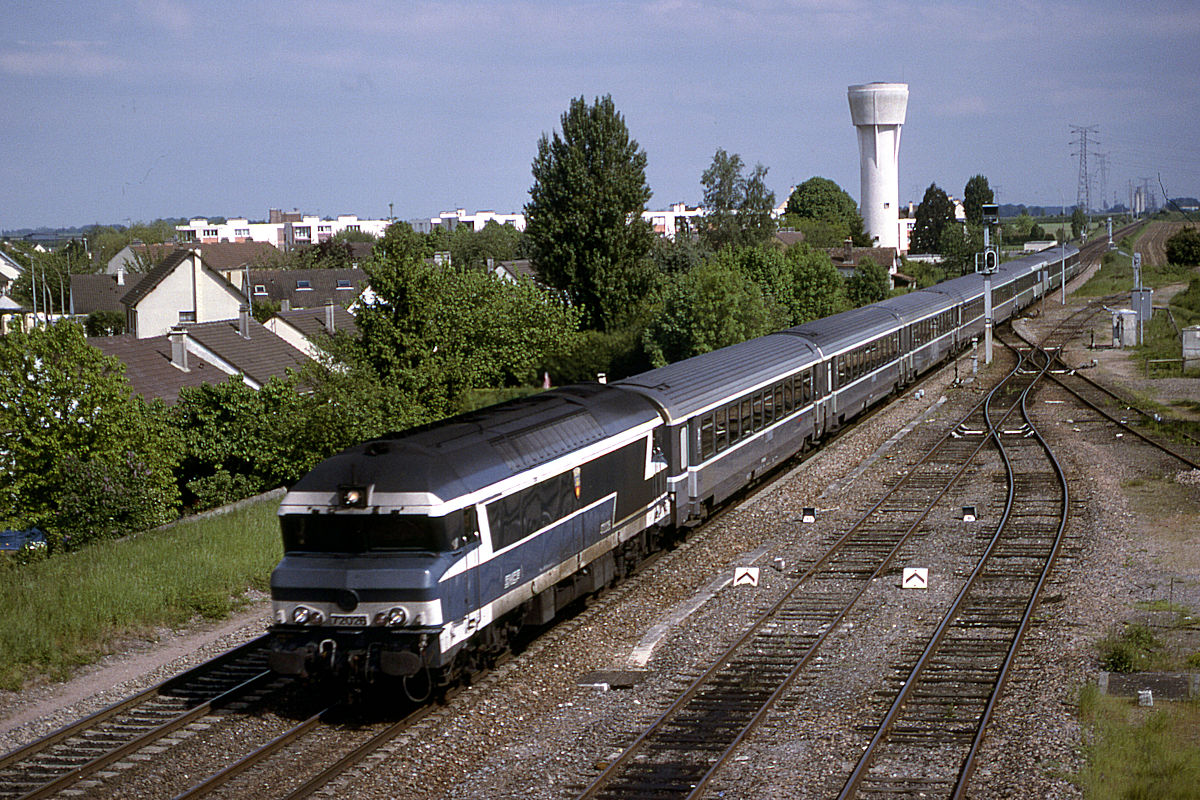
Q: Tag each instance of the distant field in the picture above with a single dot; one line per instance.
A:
(74, 608)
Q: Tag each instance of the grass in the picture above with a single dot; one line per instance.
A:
(72, 609)
(1138, 753)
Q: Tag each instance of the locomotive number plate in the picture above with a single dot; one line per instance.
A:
(348, 620)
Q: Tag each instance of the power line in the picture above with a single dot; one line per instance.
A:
(1083, 195)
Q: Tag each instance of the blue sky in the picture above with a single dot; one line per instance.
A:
(141, 109)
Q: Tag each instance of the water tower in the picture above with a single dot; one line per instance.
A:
(877, 110)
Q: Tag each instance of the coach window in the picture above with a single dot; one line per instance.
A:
(747, 418)
(768, 407)
(806, 387)
(722, 431)
(706, 436)
(788, 404)
(734, 414)
(757, 421)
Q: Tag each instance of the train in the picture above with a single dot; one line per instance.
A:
(412, 560)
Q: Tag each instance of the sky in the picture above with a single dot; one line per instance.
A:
(132, 110)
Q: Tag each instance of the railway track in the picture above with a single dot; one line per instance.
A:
(681, 751)
(926, 743)
(74, 756)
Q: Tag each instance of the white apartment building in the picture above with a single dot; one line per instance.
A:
(449, 220)
(284, 229)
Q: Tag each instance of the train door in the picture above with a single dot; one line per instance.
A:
(474, 556)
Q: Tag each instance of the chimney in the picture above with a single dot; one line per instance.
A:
(121, 274)
(178, 337)
(244, 321)
(329, 323)
(285, 305)
(849, 247)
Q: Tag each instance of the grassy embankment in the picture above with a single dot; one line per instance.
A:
(1138, 752)
(74, 608)
(1162, 339)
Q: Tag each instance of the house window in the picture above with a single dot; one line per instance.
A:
(304, 286)
(187, 316)
(211, 232)
(242, 232)
(260, 288)
(302, 232)
(344, 283)
(324, 229)
(354, 228)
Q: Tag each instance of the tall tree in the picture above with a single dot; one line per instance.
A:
(933, 215)
(737, 208)
(583, 221)
(823, 201)
(975, 194)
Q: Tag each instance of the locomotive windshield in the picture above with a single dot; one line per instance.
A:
(362, 533)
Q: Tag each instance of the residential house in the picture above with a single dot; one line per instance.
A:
(10, 270)
(198, 353)
(847, 257)
(308, 288)
(304, 328)
(225, 257)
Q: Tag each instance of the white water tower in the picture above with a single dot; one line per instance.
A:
(877, 111)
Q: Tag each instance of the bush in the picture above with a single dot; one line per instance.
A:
(1131, 650)
(1184, 247)
(105, 496)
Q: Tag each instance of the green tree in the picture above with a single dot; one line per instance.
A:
(934, 214)
(435, 333)
(958, 246)
(822, 199)
(869, 284)
(80, 456)
(737, 207)
(470, 249)
(1183, 247)
(976, 193)
(713, 306)
(818, 289)
(104, 323)
(583, 220)
(1078, 222)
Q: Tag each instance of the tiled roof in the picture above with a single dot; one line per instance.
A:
(100, 292)
(155, 277)
(233, 255)
(843, 256)
(148, 366)
(260, 357)
(342, 286)
(519, 267)
(311, 321)
(789, 238)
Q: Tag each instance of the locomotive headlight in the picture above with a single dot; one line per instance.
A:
(393, 617)
(303, 615)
